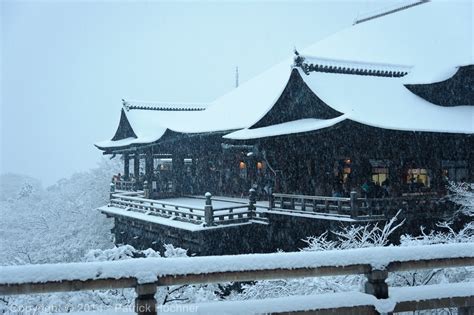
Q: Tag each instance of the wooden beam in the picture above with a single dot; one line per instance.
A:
(467, 301)
(66, 286)
(241, 276)
(430, 264)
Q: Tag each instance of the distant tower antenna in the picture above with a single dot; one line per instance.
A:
(237, 77)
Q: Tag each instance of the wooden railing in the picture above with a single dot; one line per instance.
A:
(126, 185)
(208, 215)
(145, 275)
(351, 207)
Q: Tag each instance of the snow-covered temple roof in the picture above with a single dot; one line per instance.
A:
(360, 72)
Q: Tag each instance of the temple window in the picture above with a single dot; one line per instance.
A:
(379, 175)
(455, 170)
(379, 171)
(418, 178)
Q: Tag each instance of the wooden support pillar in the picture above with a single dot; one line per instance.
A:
(145, 302)
(149, 169)
(136, 170)
(178, 171)
(319, 174)
(395, 175)
(126, 166)
(136, 165)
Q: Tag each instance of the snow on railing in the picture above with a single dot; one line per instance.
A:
(352, 207)
(145, 274)
(206, 215)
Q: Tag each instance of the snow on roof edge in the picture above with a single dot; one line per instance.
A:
(286, 128)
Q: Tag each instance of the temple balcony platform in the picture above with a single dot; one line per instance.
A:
(218, 225)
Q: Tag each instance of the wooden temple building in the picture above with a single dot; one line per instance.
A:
(384, 108)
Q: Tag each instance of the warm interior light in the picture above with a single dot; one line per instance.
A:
(242, 165)
(259, 165)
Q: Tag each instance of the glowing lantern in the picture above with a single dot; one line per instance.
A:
(242, 165)
(259, 165)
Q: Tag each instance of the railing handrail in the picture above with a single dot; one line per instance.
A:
(309, 197)
(170, 271)
(242, 206)
(145, 274)
(158, 202)
(127, 193)
(207, 215)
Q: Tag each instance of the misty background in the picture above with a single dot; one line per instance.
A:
(65, 66)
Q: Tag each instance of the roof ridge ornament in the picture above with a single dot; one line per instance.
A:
(125, 105)
(299, 60)
(140, 105)
(314, 64)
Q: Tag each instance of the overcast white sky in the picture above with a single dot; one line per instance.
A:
(65, 66)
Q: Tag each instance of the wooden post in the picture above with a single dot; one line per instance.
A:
(208, 212)
(126, 166)
(303, 204)
(146, 190)
(376, 284)
(252, 202)
(149, 169)
(292, 203)
(271, 202)
(354, 210)
(145, 303)
(112, 190)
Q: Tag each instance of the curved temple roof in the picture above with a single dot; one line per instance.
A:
(427, 42)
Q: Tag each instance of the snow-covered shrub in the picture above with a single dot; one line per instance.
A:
(447, 275)
(463, 195)
(354, 236)
(116, 253)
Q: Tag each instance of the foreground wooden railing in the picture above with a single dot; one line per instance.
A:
(146, 274)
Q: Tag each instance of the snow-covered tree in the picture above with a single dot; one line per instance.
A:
(59, 224)
(463, 195)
